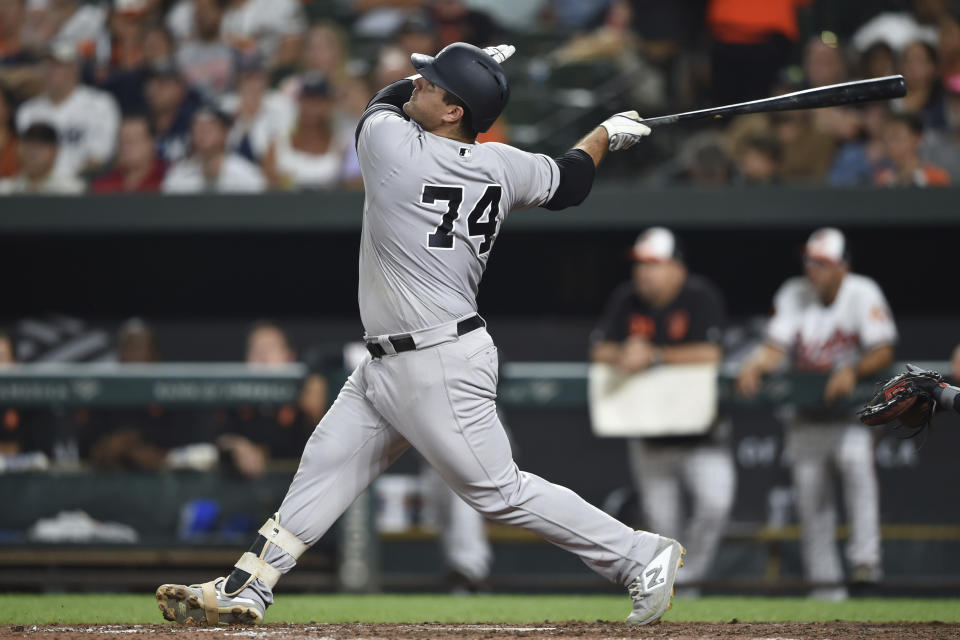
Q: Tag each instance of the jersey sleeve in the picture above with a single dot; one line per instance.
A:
(707, 316)
(531, 179)
(386, 138)
(877, 327)
(782, 327)
(612, 326)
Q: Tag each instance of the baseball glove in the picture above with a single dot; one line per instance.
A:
(905, 400)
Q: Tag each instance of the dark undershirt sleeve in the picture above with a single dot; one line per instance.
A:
(390, 98)
(576, 179)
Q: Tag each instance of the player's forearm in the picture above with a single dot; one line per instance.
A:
(874, 361)
(765, 358)
(606, 353)
(947, 397)
(695, 353)
(594, 144)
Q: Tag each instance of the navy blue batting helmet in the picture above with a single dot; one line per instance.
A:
(470, 74)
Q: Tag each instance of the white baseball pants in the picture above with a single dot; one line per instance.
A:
(706, 471)
(817, 451)
(441, 400)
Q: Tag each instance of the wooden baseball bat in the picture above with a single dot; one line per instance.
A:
(829, 96)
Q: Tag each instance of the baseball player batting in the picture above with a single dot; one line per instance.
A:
(434, 204)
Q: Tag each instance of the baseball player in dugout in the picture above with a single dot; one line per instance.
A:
(663, 321)
(839, 323)
(434, 204)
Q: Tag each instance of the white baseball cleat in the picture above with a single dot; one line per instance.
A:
(652, 590)
(205, 605)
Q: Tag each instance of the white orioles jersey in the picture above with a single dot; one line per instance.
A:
(822, 338)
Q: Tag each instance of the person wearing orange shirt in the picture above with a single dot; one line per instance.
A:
(901, 137)
(751, 43)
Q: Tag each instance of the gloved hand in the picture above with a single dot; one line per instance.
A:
(908, 400)
(625, 130)
(501, 52)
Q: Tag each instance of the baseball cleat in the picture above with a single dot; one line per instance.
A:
(652, 590)
(205, 605)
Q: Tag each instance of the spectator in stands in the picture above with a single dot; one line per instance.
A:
(455, 21)
(158, 45)
(137, 169)
(924, 91)
(807, 151)
(85, 118)
(902, 136)
(313, 155)
(324, 52)
(250, 436)
(12, 49)
(416, 34)
(38, 155)
(752, 41)
(9, 158)
(171, 105)
(270, 28)
(205, 61)
(210, 167)
(66, 21)
(856, 161)
(823, 62)
(878, 60)
(758, 160)
(119, 60)
(942, 148)
(259, 114)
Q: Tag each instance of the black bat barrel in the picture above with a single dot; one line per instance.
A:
(832, 95)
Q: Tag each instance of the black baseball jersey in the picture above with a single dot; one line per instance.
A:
(695, 315)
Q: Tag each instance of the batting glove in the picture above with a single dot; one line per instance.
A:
(501, 52)
(625, 130)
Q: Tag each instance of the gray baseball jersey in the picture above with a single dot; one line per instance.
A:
(432, 211)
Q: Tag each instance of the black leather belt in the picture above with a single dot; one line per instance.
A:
(404, 341)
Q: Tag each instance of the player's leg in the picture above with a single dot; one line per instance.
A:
(862, 497)
(442, 400)
(710, 477)
(809, 450)
(350, 447)
(656, 475)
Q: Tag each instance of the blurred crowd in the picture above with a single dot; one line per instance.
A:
(188, 96)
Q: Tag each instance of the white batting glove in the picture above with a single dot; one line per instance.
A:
(501, 52)
(625, 130)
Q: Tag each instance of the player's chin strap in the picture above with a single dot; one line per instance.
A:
(252, 565)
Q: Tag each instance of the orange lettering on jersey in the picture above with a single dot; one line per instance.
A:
(878, 313)
(11, 420)
(678, 325)
(823, 356)
(643, 326)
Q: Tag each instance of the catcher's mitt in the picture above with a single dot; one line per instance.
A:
(906, 400)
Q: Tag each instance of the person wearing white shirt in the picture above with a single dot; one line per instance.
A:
(38, 152)
(840, 324)
(86, 119)
(210, 168)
